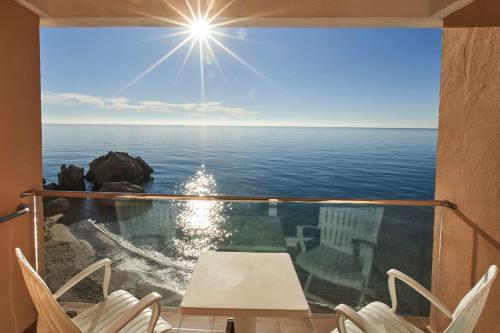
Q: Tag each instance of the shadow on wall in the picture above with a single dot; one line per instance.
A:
(477, 231)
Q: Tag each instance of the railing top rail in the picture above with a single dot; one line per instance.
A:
(234, 198)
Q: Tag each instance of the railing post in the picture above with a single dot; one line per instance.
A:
(273, 207)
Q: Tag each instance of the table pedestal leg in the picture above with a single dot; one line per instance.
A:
(245, 324)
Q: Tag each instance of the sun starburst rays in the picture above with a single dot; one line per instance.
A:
(156, 64)
(184, 61)
(200, 28)
(202, 72)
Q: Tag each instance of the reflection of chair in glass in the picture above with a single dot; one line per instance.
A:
(345, 254)
(119, 311)
(145, 221)
(378, 317)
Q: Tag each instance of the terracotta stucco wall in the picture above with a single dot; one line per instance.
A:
(20, 153)
(468, 165)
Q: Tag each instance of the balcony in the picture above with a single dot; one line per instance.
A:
(341, 248)
(465, 240)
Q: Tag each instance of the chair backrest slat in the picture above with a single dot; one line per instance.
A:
(340, 225)
(51, 317)
(468, 311)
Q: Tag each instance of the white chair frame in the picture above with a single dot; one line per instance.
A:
(463, 319)
(51, 316)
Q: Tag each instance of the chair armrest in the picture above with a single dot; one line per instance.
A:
(356, 245)
(393, 274)
(357, 241)
(152, 299)
(300, 235)
(343, 311)
(106, 263)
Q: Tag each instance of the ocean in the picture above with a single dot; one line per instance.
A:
(155, 244)
(261, 161)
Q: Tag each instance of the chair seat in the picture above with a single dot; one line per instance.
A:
(332, 265)
(380, 316)
(100, 316)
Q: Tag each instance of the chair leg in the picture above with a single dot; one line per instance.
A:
(308, 283)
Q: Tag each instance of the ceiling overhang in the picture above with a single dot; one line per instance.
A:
(247, 13)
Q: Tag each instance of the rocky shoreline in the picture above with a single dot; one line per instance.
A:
(67, 253)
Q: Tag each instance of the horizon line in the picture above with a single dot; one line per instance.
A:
(238, 125)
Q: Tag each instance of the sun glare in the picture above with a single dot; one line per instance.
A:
(200, 29)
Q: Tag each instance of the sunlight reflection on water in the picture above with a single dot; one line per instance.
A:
(163, 239)
(201, 222)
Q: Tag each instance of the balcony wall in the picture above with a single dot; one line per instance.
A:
(468, 160)
(20, 153)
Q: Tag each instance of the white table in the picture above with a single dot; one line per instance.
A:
(245, 286)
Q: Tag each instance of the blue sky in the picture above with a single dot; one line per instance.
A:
(315, 77)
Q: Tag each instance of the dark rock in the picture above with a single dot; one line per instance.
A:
(117, 187)
(118, 167)
(121, 187)
(55, 206)
(50, 187)
(71, 178)
(146, 167)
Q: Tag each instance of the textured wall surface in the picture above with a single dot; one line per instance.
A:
(468, 165)
(20, 153)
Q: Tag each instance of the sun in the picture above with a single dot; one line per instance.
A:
(200, 29)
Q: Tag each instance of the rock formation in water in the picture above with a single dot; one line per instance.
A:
(117, 187)
(50, 187)
(117, 167)
(71, 178)
(121, 187)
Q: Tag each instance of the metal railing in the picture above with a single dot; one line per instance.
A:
(165, 237)
(21, 210)
(234, 198)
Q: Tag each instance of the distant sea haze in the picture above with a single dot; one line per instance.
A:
(260, 161)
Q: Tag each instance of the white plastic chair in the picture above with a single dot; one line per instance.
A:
(348, 237)
(377, 317)
(120, 310)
